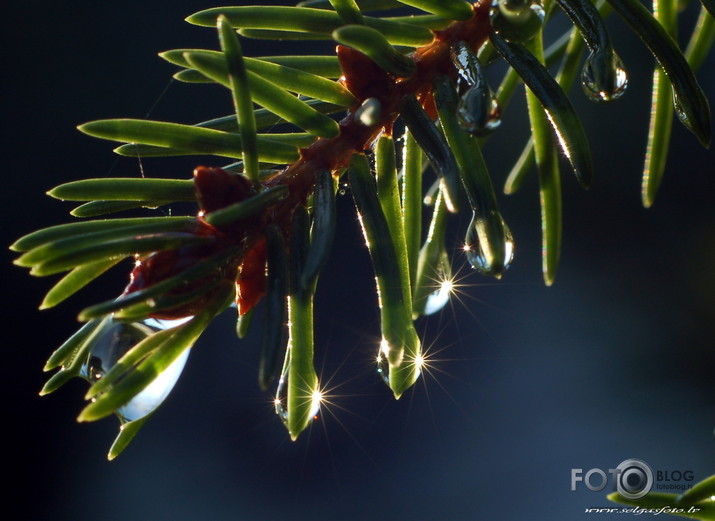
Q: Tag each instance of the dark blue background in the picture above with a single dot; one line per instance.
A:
(613, 362)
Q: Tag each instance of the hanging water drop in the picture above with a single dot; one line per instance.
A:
(315, 400)
(431, 195)
(681, 112)
(115, 341)
(604, 77)
(482, 245)
(343, 188)
(517, 20)
(439, 298)
(383, 367)
(478, 111)
(419, 363)
(280, 402)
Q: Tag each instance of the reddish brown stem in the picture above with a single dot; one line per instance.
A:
(334, 153)
(216, 189)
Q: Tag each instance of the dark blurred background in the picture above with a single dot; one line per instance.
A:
(614, 361)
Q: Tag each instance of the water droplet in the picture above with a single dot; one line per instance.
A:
(316, 400)
(343, 188)
(369, 112)
(431, 195)
(603, 77)
(467, 64)
(514, 6)
(690, 123)
(478, 111)
(116, 340)
(159, 324)
(280, 402)
(480, 241)
(517, 20)
(383, 367)
(439, 298)
(680, 111)
(400, 377)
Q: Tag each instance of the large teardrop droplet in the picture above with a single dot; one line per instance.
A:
(479, 246)
(604, 77)
(116, 340)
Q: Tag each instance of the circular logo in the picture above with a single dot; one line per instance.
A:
(635, 479)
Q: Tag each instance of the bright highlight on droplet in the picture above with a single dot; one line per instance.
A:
(160, 323)
(317, 396)
(316, 400)
(281, 399)
(419, 361)
(384, 347)
(383, 368)
(439, 298)
(603, 77)
(155, 393)
(509, 250)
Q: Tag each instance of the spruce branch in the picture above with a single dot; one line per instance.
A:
(264, 224)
